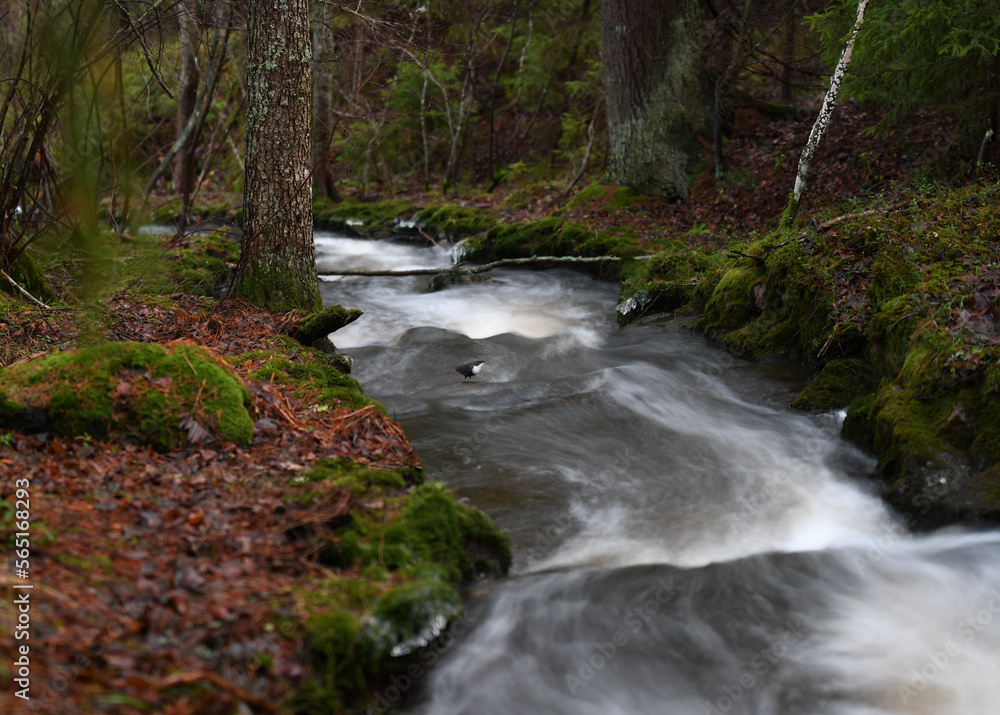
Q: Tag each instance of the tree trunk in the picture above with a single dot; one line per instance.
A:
(186, 96)
(788, 54)
(822, 121)
(658, 91)
(323, 122)
(278, 268)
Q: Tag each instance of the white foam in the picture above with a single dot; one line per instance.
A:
(921, 632)
(764, 484)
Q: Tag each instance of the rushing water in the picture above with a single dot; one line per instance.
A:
(683, 543)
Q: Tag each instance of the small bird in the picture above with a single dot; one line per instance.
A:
(471, 368)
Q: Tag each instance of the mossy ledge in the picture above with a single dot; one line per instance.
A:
(153, 394)
(395, 589)
(390, 561)
(361, 218)
(316, 376)
(552, 236)
(314, 329)
(380, 218)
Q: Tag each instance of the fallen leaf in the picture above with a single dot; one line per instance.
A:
(195, 432)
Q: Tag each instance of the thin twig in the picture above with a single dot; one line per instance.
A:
(428, 236)
(827, 225)
(25, 293)
(759, 260)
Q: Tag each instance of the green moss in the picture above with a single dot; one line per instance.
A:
(857, 424)
(167, 212)
(589, 194)
(340, 661)
(551, 236)
(371, 215)
(412, 615)
(889, 334)
(142, 390)
(625, 198)
(731, 304)
(663, 282)
(358, 477)
(779, 308)
(347, 551)
(446, 532)
(273, 285)
(921, 369)
(431, 517)
(455, 222)
(839, 384)
(199, 265)
(316, 376)
(88, 562)
(363, 630)
(904, 435)
(893, 273)
(321, 323)
(488, 547)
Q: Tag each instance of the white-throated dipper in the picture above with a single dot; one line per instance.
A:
(471, 368)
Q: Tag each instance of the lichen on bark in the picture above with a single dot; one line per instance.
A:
(659, 95)
(278, 268)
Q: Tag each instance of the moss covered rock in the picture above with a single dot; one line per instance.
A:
(663, 282)
(161, 395)
(455, 222)
(774, 307)
(397, 589)
(412, 615)
(549, 237)
(939, 455)
(315, 327)
(839, 383)
(362, 218)
(455, 536)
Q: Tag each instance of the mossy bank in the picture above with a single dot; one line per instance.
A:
(395, 570)
(388, 554)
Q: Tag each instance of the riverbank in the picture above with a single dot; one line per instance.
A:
(219, 519)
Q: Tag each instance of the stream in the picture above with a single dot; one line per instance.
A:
(683, 543)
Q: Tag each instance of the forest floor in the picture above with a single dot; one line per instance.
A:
(164, 581)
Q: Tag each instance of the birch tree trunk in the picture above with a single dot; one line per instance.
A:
(823, 120)
(278, 265)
